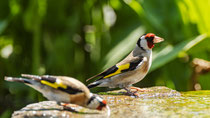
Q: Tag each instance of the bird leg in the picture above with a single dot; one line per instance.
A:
(138, 89)
(66, 107)
(131, 93)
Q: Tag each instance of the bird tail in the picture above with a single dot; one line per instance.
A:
(33, 77)
(31, 80)
(94, 84)
(15, 79)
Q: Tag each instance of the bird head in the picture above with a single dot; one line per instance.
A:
(96, 102)
(147, 41)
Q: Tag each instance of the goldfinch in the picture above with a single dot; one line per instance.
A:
(62, 89)
(130, 70)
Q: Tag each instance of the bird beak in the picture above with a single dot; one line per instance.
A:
(158, 39)
(107, 110)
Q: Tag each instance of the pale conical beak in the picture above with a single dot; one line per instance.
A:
(158, 39)
(107, 110)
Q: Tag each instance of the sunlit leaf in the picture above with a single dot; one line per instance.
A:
(135, 6)
(195, 12)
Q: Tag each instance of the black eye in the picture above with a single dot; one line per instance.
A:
(150, 39)
(102, 104)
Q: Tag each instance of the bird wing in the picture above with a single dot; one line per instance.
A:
(126, 65)
(62, 83)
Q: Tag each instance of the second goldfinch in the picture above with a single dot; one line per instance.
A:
(130, 70)
(62, 89)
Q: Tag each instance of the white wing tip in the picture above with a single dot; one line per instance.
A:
(8, 78)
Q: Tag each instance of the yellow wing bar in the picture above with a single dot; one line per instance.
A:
(120, 68)
(54, 85)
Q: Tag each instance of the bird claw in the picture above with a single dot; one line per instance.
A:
(134, 94)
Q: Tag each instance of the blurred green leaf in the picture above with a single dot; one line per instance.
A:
(199, 13)
(6, 114)
(3, 25)
(135, 6)
(123, 48)
(4, 41)
(169, 52)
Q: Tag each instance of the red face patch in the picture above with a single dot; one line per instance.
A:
(150, 44)
(102, 105)
(149, 37)
(104, 102)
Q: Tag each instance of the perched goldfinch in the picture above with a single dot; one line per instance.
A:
(62, 89)
(130, 70)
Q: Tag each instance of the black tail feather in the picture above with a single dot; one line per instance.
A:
(14, 79)
(92, 85)
(33, 77)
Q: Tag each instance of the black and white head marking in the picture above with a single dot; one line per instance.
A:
(95, 102)
(139, 42)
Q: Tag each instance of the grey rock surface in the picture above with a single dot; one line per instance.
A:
(152, 102)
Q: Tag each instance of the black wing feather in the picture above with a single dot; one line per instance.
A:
(132, 65)
(48, 78)
(70, 90)
(106, 72)
(109, 71)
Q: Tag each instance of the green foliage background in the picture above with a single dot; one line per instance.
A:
(80, 38)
